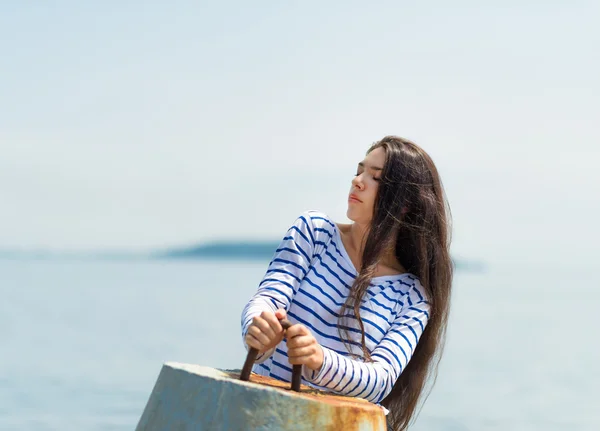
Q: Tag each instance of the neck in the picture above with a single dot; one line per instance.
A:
(358, 237)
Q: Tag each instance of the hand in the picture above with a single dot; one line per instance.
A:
(303, 348)
(265, 331)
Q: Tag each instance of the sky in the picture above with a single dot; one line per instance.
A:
(139, 125)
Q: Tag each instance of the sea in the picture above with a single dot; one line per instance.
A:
(82, 342)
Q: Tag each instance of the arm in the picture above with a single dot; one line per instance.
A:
(374, 380)
(284, 275)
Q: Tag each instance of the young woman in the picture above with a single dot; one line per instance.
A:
(369, 300)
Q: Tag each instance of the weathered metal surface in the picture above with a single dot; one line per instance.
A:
(192, 397)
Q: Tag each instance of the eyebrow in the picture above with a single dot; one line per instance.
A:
(375, 168)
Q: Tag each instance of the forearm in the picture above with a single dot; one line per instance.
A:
(343, 375)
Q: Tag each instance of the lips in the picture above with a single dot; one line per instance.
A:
(353, 197)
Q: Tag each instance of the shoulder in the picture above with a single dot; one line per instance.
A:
(318, 220)
(319, 226)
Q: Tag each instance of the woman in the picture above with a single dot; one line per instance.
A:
(368, 301)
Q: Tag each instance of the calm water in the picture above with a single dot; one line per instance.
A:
(83, 342)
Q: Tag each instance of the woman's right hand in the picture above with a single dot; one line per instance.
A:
(265, 331)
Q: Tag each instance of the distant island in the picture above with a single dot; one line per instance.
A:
(257, 251)
(248, 250)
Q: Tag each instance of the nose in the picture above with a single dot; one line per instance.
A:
(357, 182)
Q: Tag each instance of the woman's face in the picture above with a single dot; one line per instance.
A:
(361, 200)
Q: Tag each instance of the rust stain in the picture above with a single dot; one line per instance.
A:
(347, 413)
(352, 418)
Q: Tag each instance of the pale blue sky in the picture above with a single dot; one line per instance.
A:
(145, 124)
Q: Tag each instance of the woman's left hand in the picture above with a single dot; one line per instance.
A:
(303, 348)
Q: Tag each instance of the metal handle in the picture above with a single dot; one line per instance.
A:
(253, 353)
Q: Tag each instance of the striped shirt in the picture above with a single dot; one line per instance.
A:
(310, 276)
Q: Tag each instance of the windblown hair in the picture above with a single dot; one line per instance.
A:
(411, 216)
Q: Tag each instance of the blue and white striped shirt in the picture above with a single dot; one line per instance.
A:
(310, 276)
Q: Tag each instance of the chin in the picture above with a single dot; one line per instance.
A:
(357, 216)
(351, 214)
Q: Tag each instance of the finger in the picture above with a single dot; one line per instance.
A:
(259, 335)
(295, 330)
(299, 352)
(299, 360)
(264, 327)
(281, 314)
(300, 341)
(272, 321)
(254, 343)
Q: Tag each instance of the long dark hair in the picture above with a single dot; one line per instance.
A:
(411, 215)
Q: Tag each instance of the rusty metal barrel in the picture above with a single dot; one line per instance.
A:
(193, 397)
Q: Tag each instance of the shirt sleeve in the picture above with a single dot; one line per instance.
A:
(285, 272)
(374, 380)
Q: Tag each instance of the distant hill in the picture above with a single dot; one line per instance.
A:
(254, 251)
(249, 250)
(258, 251)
